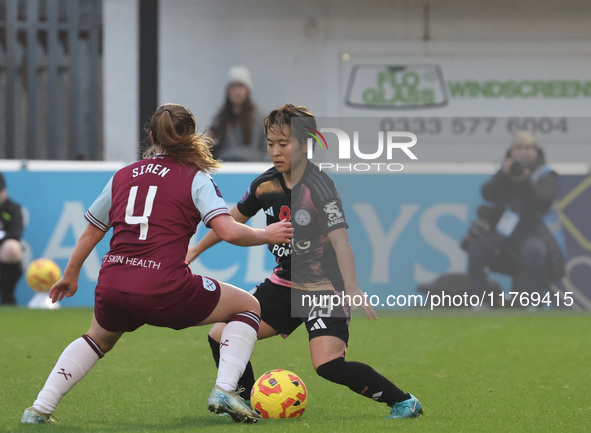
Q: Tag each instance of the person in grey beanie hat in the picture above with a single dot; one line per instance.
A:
(237, 128)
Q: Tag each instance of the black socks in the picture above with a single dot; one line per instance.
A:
(362, 379)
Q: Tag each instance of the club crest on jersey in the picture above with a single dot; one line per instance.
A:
(208, 284)
(302, 217)
(217, 190)
(335, 216)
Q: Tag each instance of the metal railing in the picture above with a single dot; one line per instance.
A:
(51, 79)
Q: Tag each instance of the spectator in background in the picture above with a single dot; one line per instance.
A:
(524, 239)
(11, 249)
(238, 127)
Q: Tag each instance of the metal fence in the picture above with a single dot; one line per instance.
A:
(51, 79)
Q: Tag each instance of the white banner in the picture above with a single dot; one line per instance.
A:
(465, 105)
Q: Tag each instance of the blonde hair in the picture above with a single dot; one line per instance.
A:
(524, 138)
(174, 130)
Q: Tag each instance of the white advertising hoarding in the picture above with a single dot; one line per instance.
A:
(465, 104)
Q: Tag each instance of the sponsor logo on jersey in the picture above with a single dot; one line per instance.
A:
(302, 217)
(282, 250)
(302, 246)
(335, 216)
(245, 196)
(270, 211)
(217, 190)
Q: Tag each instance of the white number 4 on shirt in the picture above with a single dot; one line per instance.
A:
(141, 220)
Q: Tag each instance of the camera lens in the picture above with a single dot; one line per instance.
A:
(517, 168)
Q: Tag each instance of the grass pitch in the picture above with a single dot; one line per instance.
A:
(500, 373)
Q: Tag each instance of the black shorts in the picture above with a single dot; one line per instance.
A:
(284, 309)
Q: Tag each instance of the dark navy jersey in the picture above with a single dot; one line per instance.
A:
(268, 192)
(315, 209)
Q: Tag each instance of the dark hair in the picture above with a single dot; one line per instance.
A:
(2, 182)
(174, 129)
(228, 117)
(282, 116)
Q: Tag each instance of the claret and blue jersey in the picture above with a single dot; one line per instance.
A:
(154, 207)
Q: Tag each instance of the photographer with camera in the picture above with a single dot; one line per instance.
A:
(518, 233)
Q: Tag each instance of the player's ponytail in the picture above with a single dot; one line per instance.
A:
(173, 128)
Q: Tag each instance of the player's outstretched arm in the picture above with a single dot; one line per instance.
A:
(231, 231)
(67, 285)
(346, 260)
(211, 238)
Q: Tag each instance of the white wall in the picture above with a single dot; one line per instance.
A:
(286, 61)
(293, 48)
(120, 92)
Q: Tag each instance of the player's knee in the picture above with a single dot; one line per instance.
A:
(253, 305)
(11, 251)
(244, 301)
(215, 332)
(331, 370)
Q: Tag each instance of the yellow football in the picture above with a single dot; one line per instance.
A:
(42, 274)
(279, 394)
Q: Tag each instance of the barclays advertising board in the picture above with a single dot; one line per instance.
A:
(405, 229)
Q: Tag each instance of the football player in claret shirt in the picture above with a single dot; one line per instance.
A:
(318, 262)
(154, 206)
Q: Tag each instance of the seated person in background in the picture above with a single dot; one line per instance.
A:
(11, 249)
(522, 193)
(238, 127)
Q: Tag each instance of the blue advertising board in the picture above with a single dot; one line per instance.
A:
(405, 229)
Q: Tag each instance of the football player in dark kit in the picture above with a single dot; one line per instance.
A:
(318, 262)
(154, 206)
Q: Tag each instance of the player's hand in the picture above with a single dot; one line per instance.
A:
(64, 288)
(279, 232)
(360, 299)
